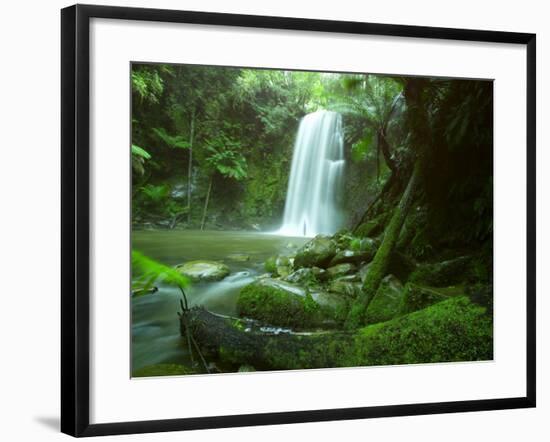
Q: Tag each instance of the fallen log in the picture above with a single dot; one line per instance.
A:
(452, 330)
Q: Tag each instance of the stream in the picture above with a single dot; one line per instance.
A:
(155, 326)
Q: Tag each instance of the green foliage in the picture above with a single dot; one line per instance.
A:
(364, 148)
(147, 271)
(140, 152)
(224, 157)
(147, 84)
(139, 156)
(177, 141)
(156, 193)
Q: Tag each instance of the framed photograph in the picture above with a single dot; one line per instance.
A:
(273, 220)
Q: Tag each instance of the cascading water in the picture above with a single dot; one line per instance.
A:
(316, 176)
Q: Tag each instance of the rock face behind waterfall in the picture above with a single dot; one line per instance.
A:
(312, 201)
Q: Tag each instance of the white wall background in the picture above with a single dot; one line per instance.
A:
(29, 220)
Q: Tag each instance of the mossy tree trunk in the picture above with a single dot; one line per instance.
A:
(418, 123)
(452, 330)
(381, 260)
(205, 209)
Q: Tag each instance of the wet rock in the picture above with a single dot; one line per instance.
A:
(320, 274)
(239, 257)
(270, 264)
(351, 256)
(344, 286)
(204, 270)
(283, 271)
(318, 252)
(341, 270)
(302, 276)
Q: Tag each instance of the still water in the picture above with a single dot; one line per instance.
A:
(155, 326)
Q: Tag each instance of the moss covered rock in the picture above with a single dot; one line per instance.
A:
(204, 270)
(283, 304)
(352, 257)
(449, 331)
(418, 297)
(318, 252)
(388, 301)
(341, 270)
(442, 274)
(270, 264)
(345, 286)
(279, 265)
(304, 276)
(238, 257)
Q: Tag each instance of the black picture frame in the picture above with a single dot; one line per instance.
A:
(75, 212)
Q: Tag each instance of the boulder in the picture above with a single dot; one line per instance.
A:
(351, 256)
(203, 270)
(304, 275)
(340, 270)
(279, 265)
(270, 264)
(320, 274)
(281, 303)
(442, 274)
(239, 257)
(317, 252)
(417, 297)
(387, 303)
(344, 286)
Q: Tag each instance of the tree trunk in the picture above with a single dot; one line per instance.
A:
(379, 264)
(460, 322)
(190, 165)
(385, 148)
(203, 221)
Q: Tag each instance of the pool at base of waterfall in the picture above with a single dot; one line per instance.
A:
(155, 327)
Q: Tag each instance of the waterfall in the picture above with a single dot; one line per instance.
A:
(315, 183)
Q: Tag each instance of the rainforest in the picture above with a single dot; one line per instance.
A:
(292, 220)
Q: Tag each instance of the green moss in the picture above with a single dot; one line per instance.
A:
(450, 331)
(162, 370)
(276, 306)
(386, 304)
(270, 265)
(442, 274)
(367, 229)
(417, 297)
